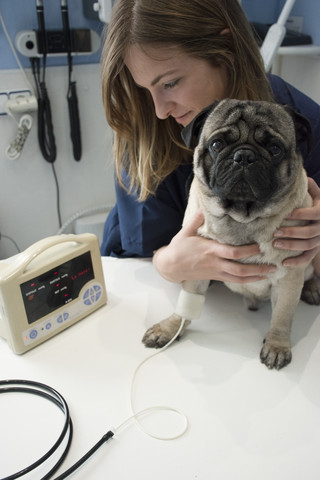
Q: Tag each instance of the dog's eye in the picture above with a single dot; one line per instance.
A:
(216, 145)
(274, 150)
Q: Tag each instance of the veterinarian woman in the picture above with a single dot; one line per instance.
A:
(163, 62)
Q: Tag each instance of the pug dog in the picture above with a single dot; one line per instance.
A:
(248, 177)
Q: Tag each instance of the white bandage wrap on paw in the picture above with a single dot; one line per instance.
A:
(189, 305)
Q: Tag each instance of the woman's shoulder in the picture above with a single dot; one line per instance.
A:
(287, 94)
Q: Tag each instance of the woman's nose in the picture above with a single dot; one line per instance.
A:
(162, 107)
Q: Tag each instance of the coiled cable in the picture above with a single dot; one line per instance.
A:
(14, 149)
(46, 136)
(36, 388)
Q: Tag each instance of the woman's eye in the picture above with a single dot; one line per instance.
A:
(274, 150)
(216, 145)
(169, 85)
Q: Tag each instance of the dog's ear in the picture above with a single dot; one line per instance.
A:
(302, 126)
(191, 133)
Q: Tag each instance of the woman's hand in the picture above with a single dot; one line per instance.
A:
(192, 257)
(306, 238)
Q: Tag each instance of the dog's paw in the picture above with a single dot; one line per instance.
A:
(275, 356)
(311, 291)
(161, 333)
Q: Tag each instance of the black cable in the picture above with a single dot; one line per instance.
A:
(36, 388)
(85, 457)
(45, 129)
(46, 136)
(72, 97)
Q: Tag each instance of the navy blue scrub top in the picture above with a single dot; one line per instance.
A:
(137, 229)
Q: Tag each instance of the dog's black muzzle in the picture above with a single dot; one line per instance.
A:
(243, 180)
(244, 156)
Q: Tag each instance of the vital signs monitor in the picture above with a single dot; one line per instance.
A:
(49, 287)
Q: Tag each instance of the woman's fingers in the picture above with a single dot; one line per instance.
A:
(304, 259)
(309, 213)
(296, 244)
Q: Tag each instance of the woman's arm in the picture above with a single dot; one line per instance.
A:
(136, 229)
(192, 257)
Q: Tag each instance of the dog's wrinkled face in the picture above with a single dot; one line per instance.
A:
(246, 156)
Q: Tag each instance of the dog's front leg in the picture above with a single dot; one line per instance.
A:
(276, 351)
(189, 307)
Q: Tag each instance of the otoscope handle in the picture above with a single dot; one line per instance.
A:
(75, 132)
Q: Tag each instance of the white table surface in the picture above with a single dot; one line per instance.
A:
(245, 421)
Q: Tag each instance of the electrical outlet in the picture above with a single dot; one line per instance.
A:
(22, 104)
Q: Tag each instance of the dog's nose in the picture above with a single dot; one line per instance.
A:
(244, 156)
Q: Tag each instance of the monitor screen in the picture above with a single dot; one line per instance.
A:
(51, 290)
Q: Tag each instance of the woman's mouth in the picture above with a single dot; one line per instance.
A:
(182, 119)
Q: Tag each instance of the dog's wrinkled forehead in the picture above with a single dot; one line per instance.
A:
(262, 117)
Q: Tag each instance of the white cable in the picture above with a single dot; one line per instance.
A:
(15, 54)
(137, 415)
(99, 208)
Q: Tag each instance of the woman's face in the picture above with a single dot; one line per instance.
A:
(180, 85)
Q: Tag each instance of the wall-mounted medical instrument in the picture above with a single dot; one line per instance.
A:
(49, 287)
(84, 42)
(52, 42)
(40, 44)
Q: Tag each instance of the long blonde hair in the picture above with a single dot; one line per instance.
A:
(148, 148)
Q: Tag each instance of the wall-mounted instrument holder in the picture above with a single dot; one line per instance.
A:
(32, 43)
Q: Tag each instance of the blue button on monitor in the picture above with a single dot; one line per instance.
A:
(92, 295)
(86, 294)
(33, 334)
